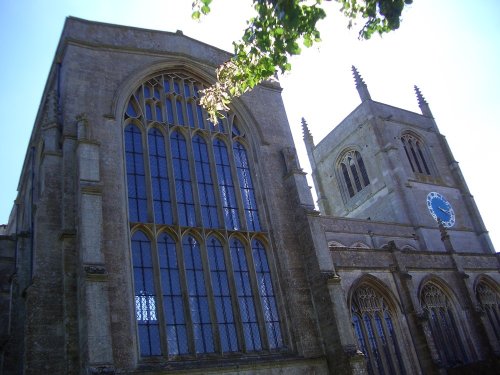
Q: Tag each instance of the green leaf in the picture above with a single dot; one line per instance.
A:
(205, 9)
(196, 15)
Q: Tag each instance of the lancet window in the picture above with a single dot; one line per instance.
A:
(443, 325)
(203, 274)
(415, 152)
(490, 303)
(376, 332)
(353, 172)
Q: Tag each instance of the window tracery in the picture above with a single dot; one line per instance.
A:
(375, 331)
(443, 324)
(208, 288)
(490, 302)
(353, 171)
(415, 152)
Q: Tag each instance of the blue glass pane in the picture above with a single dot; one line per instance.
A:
(159, 114)
(159, 178)
(199, 112)
(361, 340)
(267, 295)
(145, 296)
(246, 187)
(198, 299)
(244, 293)
(136, 182)
(177, 89)
(172, 296)
(373, 343)
(157, 93)
(205, 185)
(226, 186)
(180, 114)
(147, 92)
(190, 114)
(187, 90)
(235, 130)
(166, 85)
(222, 296)
(131, 112)
(183, 188)
(170, 111)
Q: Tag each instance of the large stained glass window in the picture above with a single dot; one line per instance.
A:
(203, 274)
(443, 325)
(375, 331)
(489, 298)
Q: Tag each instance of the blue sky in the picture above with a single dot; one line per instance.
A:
(449, 48)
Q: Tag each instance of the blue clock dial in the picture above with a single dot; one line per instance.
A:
(440, 209)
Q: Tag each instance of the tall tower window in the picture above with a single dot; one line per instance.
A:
(375, 331)
(353, 172)
(203, 275)
(443, 324)
(415, 152)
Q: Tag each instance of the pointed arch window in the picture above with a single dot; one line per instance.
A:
(353, 173)
(375, 331)
(490, 303)
(183, 183)
(159, 177)
(415, 152)
(145, 296)
(201, 260)
(443, 324)
(136, 175)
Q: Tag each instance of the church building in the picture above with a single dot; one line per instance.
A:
(147, 240)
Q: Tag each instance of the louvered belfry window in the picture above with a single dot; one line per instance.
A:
(353, 172)
(200, 252)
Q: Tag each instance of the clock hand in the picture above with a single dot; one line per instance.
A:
(443, 210)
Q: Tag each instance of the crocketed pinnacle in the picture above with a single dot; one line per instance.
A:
(420, 97)
(422, 103)
(305, 131)
(363, 92)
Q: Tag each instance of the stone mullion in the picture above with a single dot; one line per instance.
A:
(490, 330)
(210, 295)
(394, 358)
(171, 178)
(194, 180)
(256, 296)
(215, 182)
(234, 295)
(162, 319)
(237, 187)
(432, 344)
(405, 287)
(185, 296)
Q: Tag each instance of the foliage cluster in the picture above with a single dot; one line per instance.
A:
(277, 32)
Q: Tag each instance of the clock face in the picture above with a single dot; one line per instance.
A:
(440, 209)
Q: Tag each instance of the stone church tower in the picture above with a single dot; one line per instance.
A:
(147, 240)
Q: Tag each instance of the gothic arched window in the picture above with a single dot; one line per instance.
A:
(443, 325)
(375, 331)
(415, 152)
(200, 254)
(353, 171)
(490, 302)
